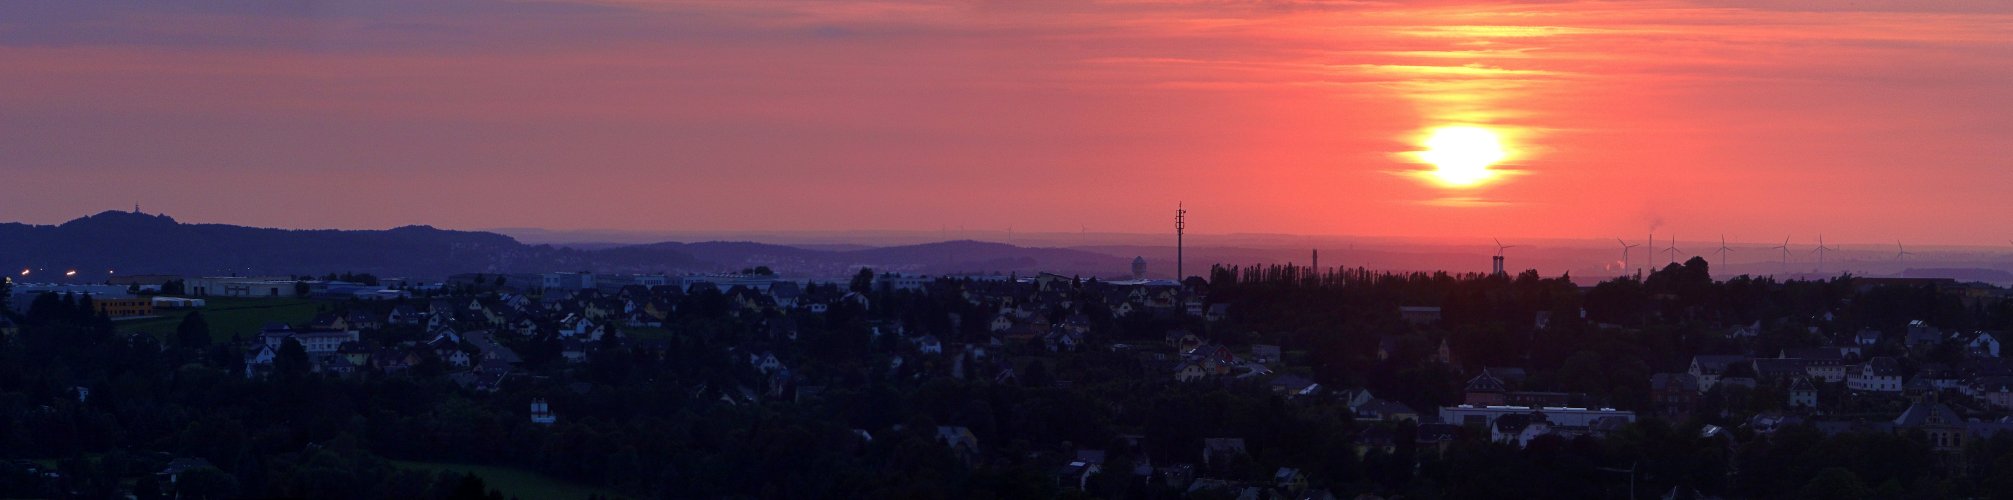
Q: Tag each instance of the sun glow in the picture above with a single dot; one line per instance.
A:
(1461, 155)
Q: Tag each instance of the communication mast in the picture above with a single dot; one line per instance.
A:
(1180, 229)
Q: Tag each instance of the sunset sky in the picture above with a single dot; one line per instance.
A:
(1868, 121)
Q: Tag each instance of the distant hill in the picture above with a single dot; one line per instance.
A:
(134, 243)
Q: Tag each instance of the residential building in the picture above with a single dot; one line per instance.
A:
(1484, 390)
(1708, 368)
(1802, 394)
(1880, 374)
(1673, 395)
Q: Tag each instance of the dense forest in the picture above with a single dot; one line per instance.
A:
(691, 418)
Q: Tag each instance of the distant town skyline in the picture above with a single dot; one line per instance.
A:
(1870, 122)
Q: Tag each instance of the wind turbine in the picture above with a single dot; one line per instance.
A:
(1820, 250)
(1673, 249)
(1723, 250)
(1500, 247)
(1625, 254)
(1784, 247)
(1901, 255)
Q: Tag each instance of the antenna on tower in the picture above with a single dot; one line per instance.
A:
(1180, 231)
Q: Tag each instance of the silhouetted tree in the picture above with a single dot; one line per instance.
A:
(292, 359)
(193, 332)
(863, 282)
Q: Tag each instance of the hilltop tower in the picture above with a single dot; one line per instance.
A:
(1139, 268)
(1180, 228)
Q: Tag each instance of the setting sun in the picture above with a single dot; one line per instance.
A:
(1461, 155)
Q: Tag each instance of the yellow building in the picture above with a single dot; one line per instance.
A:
(125, 308)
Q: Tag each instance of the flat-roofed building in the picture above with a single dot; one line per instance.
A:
(125, 307)
(238, 286)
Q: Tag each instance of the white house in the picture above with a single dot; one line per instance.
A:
(573, 326)
(765, 362)
(1880, 374)
(1985, 344)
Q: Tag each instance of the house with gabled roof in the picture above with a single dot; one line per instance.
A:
(1920, 333)
(1942, 426)
(404, 315)
(1189, 371)
(1996, 391)
(1983, 344)
(1062, 340)
(1880, 374)
(329, 321)
(785, 294)
(439, 320)
(963, 444)
(1077, 322)
(1802, 394)
(260, 356)
(1484, 390)
(1217, 312)
(1708, 368)
(765, 362)
(577, 326)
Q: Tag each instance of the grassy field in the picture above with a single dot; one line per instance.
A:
(517, 483)
(228, 316)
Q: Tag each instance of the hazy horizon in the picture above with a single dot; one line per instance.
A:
(1585, 259)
